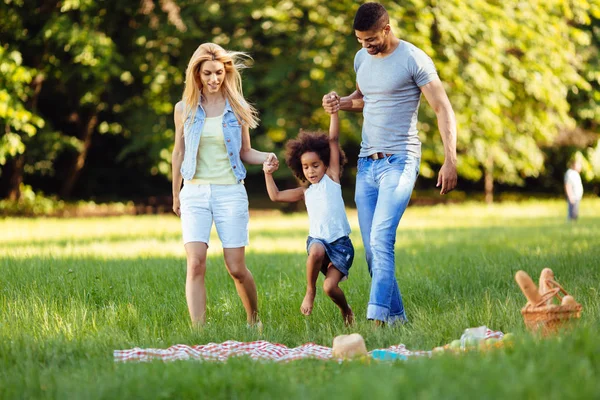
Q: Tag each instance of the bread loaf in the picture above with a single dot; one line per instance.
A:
(528, 288)
(568, 300)
(545, 276)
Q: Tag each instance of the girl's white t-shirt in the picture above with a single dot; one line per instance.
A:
(326, 210)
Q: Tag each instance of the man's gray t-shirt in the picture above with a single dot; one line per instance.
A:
(391, 90)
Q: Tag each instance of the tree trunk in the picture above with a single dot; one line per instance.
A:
(15, 177)
(489, 181)
(79, 162)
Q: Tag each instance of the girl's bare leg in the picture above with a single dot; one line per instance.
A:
(316, 256)
(332, 289)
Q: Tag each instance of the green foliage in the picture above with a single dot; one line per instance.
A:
(593, 157)
(31, 204)
(15, 117)
(590, 163)
(101, 67)
(37, 204)
(516, 72)
(508, 68)
(585, 104)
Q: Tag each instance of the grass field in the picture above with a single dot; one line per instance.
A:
(74, 290)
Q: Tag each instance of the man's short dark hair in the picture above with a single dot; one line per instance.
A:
(370, 16)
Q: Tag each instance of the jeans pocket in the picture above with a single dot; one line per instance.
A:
(360, 164)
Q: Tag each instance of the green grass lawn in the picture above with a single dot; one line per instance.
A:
(74, 290)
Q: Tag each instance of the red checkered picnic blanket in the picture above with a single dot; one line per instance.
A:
(259, 350)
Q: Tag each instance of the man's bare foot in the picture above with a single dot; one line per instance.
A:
(348, 317)
(307, 303)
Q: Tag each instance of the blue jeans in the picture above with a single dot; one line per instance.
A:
(573, 209)
(383, 189)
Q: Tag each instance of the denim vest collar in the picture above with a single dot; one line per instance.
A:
(232, 135)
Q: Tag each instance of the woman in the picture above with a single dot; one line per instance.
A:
(212, 139)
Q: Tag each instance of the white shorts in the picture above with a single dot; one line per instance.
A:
(226, 205)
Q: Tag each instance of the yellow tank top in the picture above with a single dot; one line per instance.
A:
(213, 166)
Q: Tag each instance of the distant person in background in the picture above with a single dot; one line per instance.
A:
(573, 188)
(212, 140)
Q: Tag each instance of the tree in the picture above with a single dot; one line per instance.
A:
(87, 69)
(585, 104)
(508, 68)
(17, 118)
(82, 54)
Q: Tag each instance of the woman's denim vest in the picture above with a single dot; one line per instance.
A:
(232, 134)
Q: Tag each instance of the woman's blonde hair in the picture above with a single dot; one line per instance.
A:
(232, 85)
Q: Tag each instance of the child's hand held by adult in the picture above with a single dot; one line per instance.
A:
(271, 159)
(270, 168)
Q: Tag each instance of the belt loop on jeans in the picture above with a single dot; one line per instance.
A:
(379, 156)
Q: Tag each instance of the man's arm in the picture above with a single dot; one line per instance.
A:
(353, 102)
(438, 99)
(332, 102)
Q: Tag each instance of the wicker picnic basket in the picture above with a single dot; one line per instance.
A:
(547, 318)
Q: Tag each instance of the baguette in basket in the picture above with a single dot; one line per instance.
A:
(528, 288)
(540, 312)
(545, 277)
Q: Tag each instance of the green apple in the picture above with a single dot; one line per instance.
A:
(472, 342)
(508, 337)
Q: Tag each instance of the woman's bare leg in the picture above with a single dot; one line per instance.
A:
(195, 290)
(235, 260)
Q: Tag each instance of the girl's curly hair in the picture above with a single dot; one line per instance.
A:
(317, 142)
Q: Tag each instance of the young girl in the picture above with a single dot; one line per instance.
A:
(318, 159)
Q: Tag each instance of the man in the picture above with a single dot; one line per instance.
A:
(391, 74)
(573, 188)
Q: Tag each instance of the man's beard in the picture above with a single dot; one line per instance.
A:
(374, 50)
